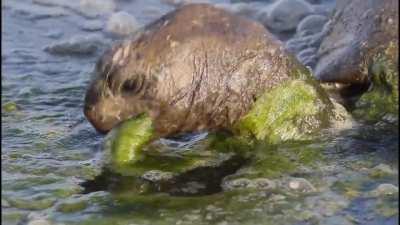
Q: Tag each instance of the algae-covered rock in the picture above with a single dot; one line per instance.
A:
(361, 49)
(293, 111)
(383, 96)
(127, 141)
(72, 205)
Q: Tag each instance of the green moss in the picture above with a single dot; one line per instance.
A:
(294, 110)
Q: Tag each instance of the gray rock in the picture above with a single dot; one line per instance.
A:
(157, 176)
(94, 8)
(92, 25)
(122, 24)
(79, 44)
(308, 56)
(240, 183)
(381, 170)
(300, 185)
(285, 15)
(384, 190)
(311, 24)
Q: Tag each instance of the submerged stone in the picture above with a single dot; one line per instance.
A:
(381, 170)
(284, 15)
(384, 190)
(122, 24)
(10, 107)
(87, 44)
(72, 205)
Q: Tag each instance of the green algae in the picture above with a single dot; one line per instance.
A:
(72, 205)
(294, 110)
(33, 203)
(273, 161)
(10, 107)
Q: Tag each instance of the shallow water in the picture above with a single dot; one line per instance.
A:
(49, 149)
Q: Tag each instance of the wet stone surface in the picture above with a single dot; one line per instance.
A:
(52, 158)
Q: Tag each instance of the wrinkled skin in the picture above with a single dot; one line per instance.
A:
(197, 68)
(360, 29)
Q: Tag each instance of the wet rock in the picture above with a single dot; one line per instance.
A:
(311, 24)
(122, 24)
(284, 15)
(79, 44)
(299, 43)
(387, 207)
(362, 49)
(276, 197)
(178, 3)
(72, 205)
(39, 222)
(384, 190)
(12, 216)
(94, 8)
(264, 183)
(307, 57)
(252, 10)
(360, 30)
(336, 220)
(245, 183)
(381, 170)
(300, 185)
(240, 183)
(92, 25)
(35, 202)
(157, 176)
